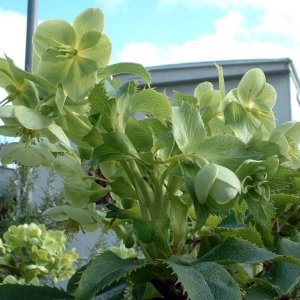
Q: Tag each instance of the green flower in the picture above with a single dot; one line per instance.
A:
(54, 241)
(71, 55)
(16, 236)
(249, 107)
(217, 186)
(287, 137)
(255, 175)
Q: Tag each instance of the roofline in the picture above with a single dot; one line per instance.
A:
(205, 71)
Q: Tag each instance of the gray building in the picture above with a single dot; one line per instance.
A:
(184, 78)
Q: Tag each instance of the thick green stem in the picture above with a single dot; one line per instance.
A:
(133, 178)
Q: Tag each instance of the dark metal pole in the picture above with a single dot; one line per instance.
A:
(32, 18)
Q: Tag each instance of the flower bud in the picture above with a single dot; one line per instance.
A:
(217, 186)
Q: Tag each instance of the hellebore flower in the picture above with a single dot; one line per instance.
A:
(217, 186)
(250, 106)
(71, 55)
(287, 137)
(255, 175)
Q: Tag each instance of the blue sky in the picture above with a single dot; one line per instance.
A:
(155, 32)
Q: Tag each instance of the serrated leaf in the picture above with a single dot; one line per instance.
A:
(261, 292)
(234, 250)
(285, 199)
(249, 234)
(181, 98)
(139, 133)
(225, 150)
(31, 292)
(151, 102)
(102, 271)
(286, 275)
(116, 146)
(188, 128)
(97, 99)
(204, 280)
(129, 68)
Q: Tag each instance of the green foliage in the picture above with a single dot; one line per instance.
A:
(203, 192)
(30, 253)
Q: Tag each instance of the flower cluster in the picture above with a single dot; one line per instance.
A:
(30, 253)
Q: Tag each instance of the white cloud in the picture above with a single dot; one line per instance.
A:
(13, 36)
(111, 5)
(231, 39)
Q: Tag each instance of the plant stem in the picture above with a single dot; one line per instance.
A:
(132, 176)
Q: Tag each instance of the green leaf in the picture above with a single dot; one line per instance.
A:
(234, 250)
(285, 199)
(116, 146)
(27, 155)
(80, 215)
(76, 127)
(144, 230)
(57, 132)
(31, 292)
(17, 72)
(60, 98)
(9, 131)
(225, 150)
(69, 168)
(189, 130)
(140, 134)
(262, 292)
(31, 119)
(80, 193)
(129, 68)
(98, 99)
(286, 275)
(204, 280)
(151, 102)
(123, 189)
(181, 98)
(249, 234)
(102, 271)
